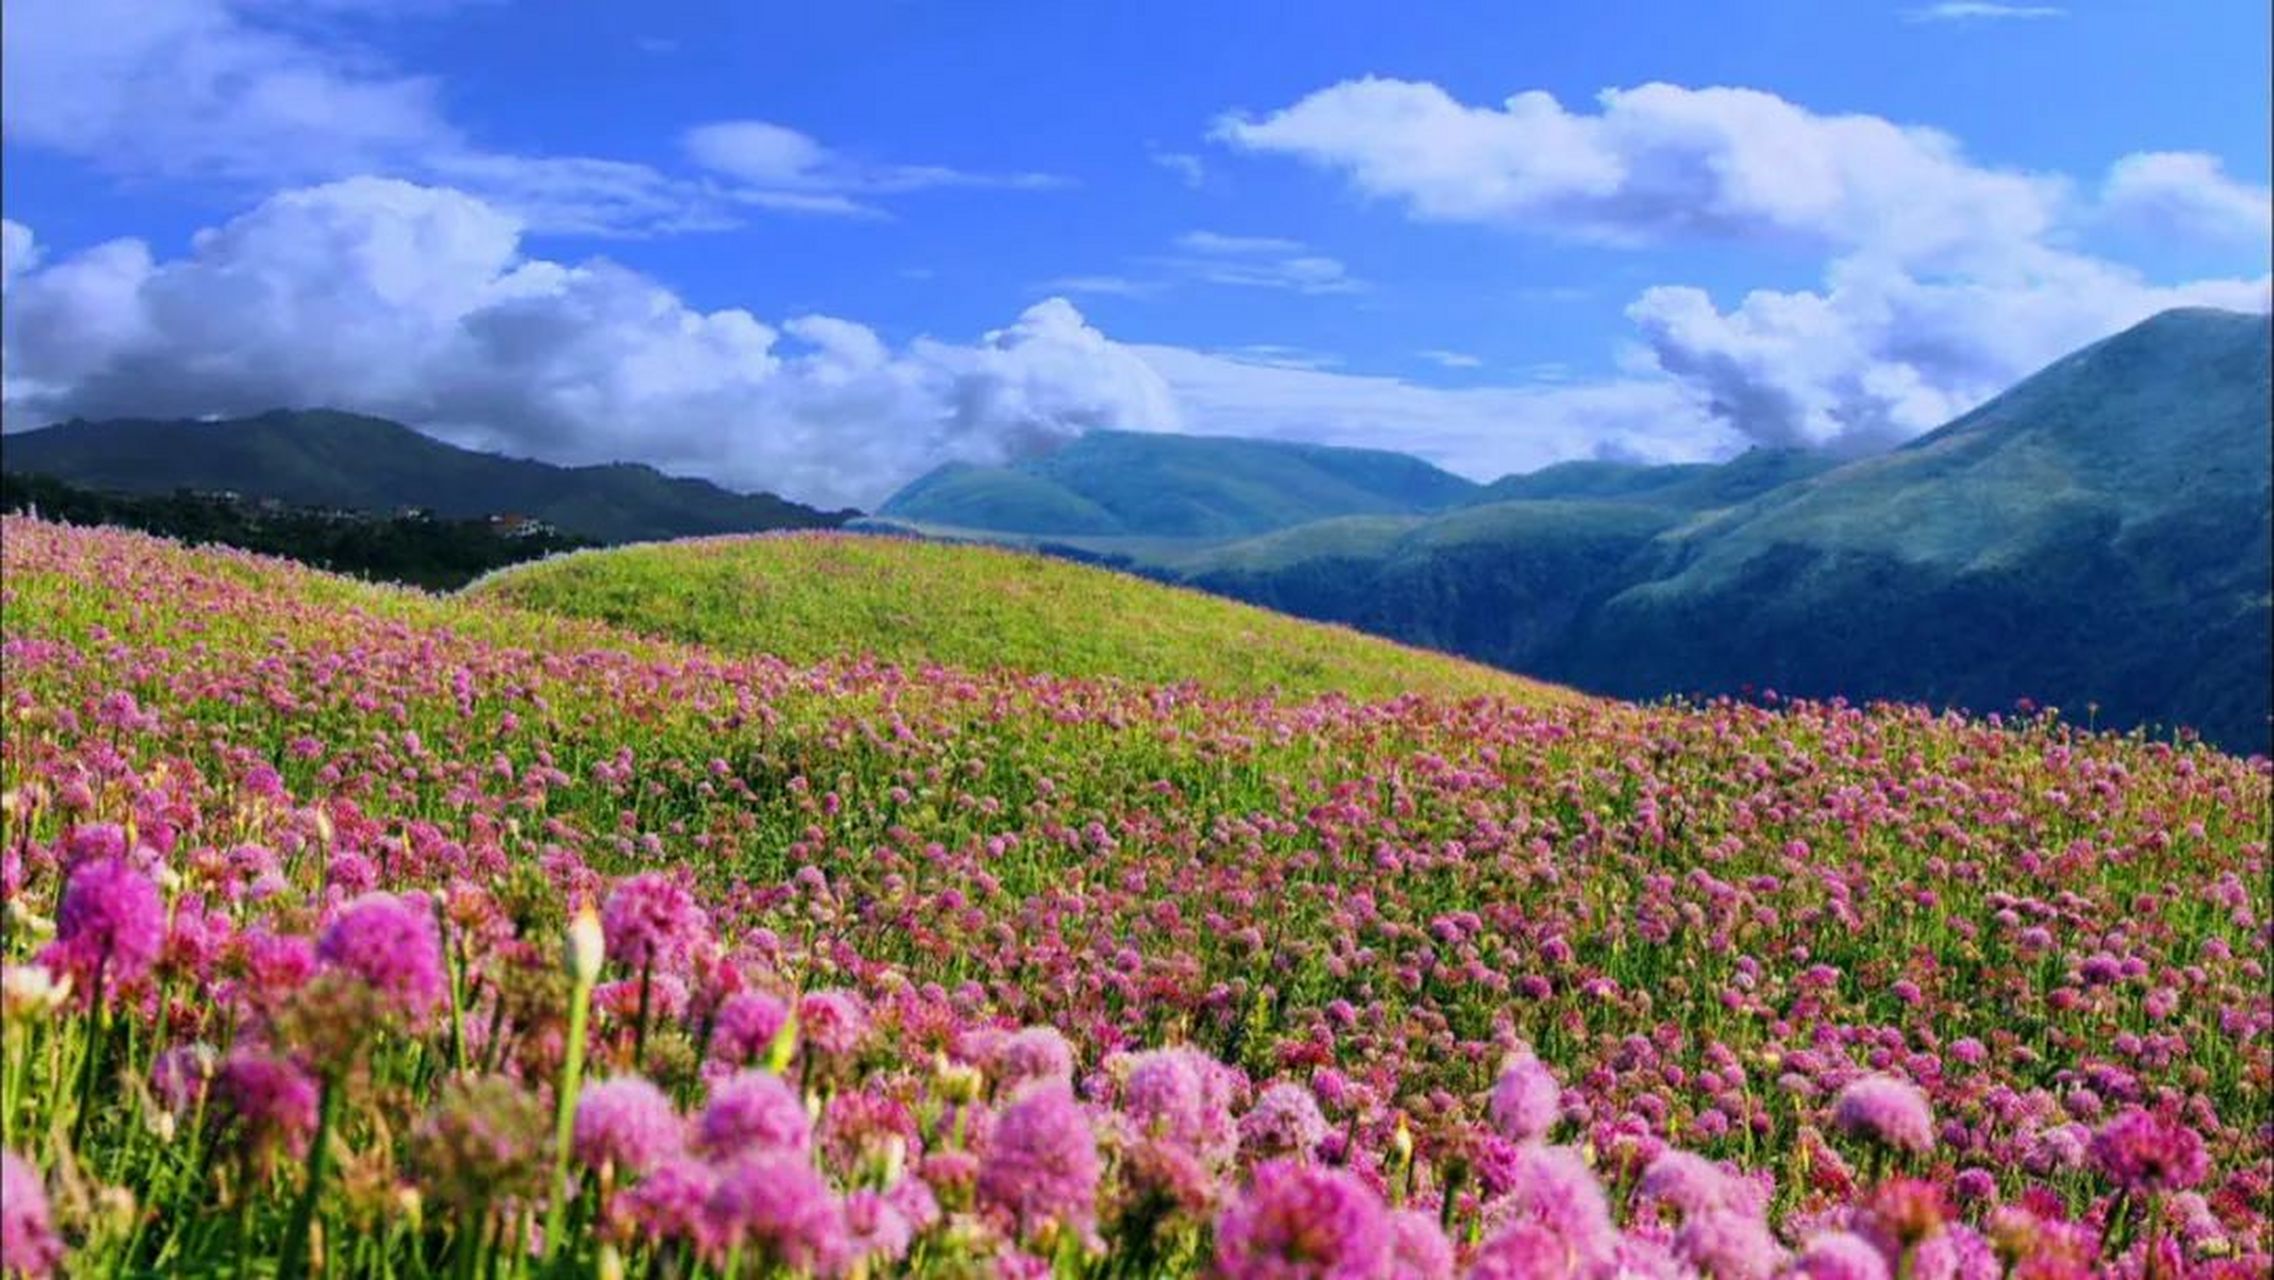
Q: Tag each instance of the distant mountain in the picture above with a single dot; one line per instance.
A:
(1125, 483)
(2099, 535)
(321, 458)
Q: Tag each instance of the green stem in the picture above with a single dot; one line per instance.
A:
(564, 1113)
(295, 1261)
(98, 1030)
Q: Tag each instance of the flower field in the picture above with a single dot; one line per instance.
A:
(351, 931)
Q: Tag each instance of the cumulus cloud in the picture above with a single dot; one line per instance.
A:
(1945, 281)
(418, 303)
(1661, 162)
(2187, 193)
(1878, 356)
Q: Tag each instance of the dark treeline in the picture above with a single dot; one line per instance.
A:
(415, 549)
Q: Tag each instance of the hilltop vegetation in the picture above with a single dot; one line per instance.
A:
(951, 974)
(417, 550)
(815, 597)
(350, 461)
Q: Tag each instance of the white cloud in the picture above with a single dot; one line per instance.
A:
(263, 93)
(1878, 356)
(1451, 359)
(417, 303)
(779, 167)
(1977, 10)
(1660, 163)
(1116, 286)
(1276, 355)
(2187, 193)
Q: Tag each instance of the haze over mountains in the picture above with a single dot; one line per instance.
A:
(2098, 535)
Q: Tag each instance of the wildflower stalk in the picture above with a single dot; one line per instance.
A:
(296, 1237)
(582, 955)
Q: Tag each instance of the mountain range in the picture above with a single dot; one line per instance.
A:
(322, 458)
(2097, 538)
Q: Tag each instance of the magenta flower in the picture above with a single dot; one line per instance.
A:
(1526, 1100)
(1418, 1249)
(269, 1102)
(745, 1026)
(1840, 1255)
(1729, 1246)
(1887, 1111)
(626, 1124)
(1041, 1161)
(1690, 1183)
(1183, 1096)
(390, 946)
(875, 1227)
(2139, 1151)
(28, 1243)
(1525, 1251)
(668, 1204)
(1553, 1188)
(1031, 1055)
(833, 1022)
(1304, 1222)
(651, 922)
(109, 928)
(778, 1207)
(752, 1112)
(1284, 1121)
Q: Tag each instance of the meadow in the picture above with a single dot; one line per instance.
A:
(355, 931)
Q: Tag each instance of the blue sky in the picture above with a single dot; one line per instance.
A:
(821, 248)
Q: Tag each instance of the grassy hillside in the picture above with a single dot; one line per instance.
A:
(810, 597)
(321, 458)
(1153, 485)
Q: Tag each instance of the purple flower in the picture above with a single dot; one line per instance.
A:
(1041, 1161)
(651, 922)
(1524, 1251)
(1729, 1246)
(1840, 1255)
(2141, 1152)
(1418, 1249)
(270, 1102)
(875, 1227)
(179, 1076)
(1690, 1183)
(668, 1203)
(28, 1243)
(1284, 1121)
(1183, 1096)
(1298, 1222)
(1526, 1100)
(1885, 1110)
(779, 1207)
(1031, 1055)
(626, 1124)
(745, 1026)
(1554, 1189)
(111, 923)
(833, 1022)
(755, 1111)
(390, 946)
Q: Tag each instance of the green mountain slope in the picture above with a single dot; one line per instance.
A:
(1692, 486)
(328, 459)
(1135, 484)
(817, 597)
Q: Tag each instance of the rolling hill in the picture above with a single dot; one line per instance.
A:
(322, 458)
(815, 597)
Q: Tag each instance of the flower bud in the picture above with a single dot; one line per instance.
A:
(586, 948)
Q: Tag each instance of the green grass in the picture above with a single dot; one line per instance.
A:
(809, 598)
